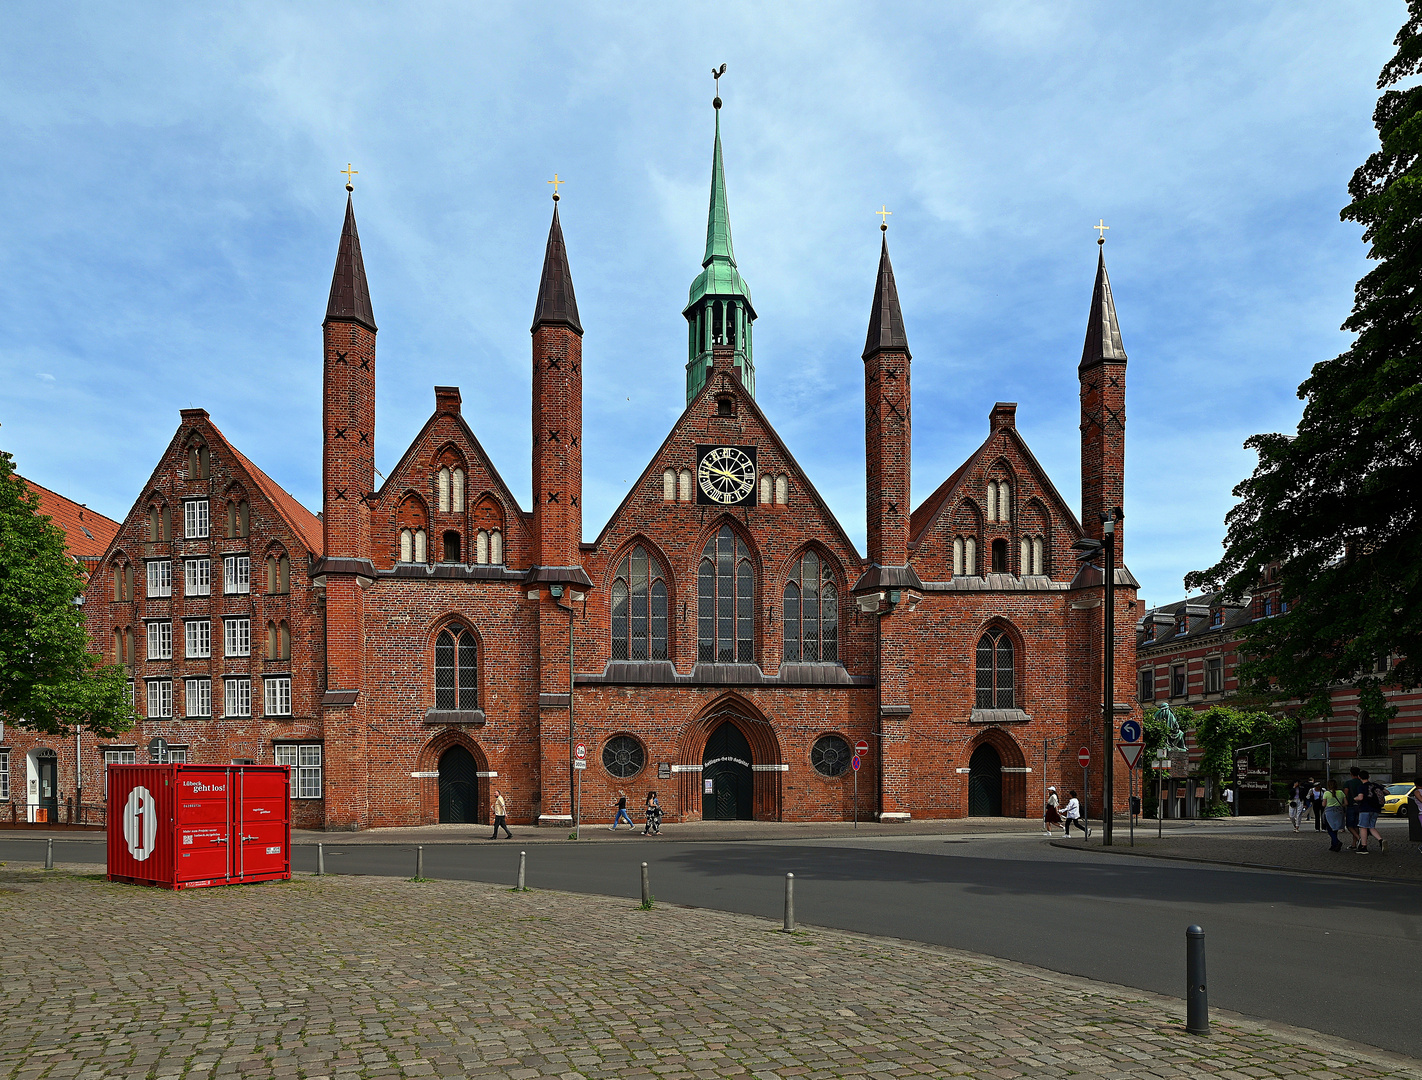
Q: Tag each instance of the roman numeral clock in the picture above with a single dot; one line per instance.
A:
(725, 475)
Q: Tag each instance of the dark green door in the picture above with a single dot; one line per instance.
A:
(985, 783)
(47, 766)
(458, 787)
(726, 768)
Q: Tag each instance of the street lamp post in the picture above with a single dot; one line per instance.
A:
(1108, 677)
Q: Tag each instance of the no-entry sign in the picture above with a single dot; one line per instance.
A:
(1083, 757)
(861, 748)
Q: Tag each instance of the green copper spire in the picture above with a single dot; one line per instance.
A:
(718, 310)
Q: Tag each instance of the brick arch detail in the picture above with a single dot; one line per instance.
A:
(841, 581)
(759, 730)
(757, 560)
(450, 455)
(653, 549)
(427, 761)
(1014, 784)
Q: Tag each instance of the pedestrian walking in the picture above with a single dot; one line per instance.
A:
(1414, 813)
(622, 814)
(1229, 800)
(1298, 794)
(1071, 813)
(653, 811)
(501, 811)
(1051, 815)
(1333, 814)
(1370, 803)
(1351, 787)
(1315, 802)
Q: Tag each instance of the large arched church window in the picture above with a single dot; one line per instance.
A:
(995, 671)
(725, 608)
(456, 669)
(811, 613)
(639, 608)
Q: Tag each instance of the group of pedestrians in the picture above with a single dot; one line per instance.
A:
(1056, 816)
(651, 809)
(1353, 806)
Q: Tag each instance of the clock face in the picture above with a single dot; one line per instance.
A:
(725, 475)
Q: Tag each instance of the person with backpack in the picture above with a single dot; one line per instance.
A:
(1351, 787)
(1370, 803)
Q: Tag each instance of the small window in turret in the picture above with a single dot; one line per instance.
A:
(725, 405)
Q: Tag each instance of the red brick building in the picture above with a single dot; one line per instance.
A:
(720, 640)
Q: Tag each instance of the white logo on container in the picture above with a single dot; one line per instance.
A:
(140, 823)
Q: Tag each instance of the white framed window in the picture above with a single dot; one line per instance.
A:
(237, 636)
(160, 641)
(197, 639)
(304, 760)
(195, 519)
(160, 577)
(197, 577)
(238, 696)
(199, 697)
(117, 757)
(276, 699)
(4, 776)
(236, 574)
(177, 755)
(160, 698)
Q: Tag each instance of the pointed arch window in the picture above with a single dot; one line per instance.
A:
(1032, 553)
(995, 671)
(456, 489)
(456, 669)
(811, 613)
(725, 585)
(639, 608)
(443, 489)
(965, 556)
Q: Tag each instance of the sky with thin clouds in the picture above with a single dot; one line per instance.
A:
(171, 205)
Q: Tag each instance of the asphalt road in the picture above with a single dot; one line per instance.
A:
(1302, 950)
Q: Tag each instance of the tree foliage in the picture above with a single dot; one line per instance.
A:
(1221, 730)
(1336, 508)
(49, 680)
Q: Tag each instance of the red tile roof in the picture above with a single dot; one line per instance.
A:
(307, 525)
(86, 532)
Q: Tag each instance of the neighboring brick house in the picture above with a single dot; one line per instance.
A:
(86, 534)
(721, 640)
(1187, 653)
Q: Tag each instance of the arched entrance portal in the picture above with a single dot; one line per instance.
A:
(985, 783)
(726, 776)
(458, 787)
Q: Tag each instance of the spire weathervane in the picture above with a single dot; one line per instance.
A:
(555, 182)
(716, 74)
(1101, 230)
(349, 172)
(884, 213)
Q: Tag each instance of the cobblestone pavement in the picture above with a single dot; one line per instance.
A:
(1271, 843)
(369, 977)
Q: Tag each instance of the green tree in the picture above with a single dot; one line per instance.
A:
(1221, 730)
(49, 680)
(1336, 508)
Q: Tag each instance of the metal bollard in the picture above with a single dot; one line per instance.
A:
(320, 860)
(1197, 1001)
(646, 888)
(49, 854)
(789, 902)
(522, 866)
(419, 862)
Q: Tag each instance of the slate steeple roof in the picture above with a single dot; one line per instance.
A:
(1103, 332)
(556, 303)
(886, 321)
(350, 295)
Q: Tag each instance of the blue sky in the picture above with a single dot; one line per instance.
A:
(171, 205)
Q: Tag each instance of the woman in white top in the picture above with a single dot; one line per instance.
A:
(1073, 813)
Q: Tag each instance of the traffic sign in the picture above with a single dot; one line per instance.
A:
(580, 752)
(1083, 757)
(854, 763)
(861, 748)
(1130, 753)
(1131, 731)
(580, 763)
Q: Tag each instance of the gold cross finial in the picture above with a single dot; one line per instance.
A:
(349, 172)
(555, 182)
(1101, 230)
(884, 214)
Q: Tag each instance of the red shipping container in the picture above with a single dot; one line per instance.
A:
(190, 826)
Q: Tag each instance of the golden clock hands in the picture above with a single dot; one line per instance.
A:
(728, 474)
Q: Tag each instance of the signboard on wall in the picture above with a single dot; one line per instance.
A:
(1251, 773)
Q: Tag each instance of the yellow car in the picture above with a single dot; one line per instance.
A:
(1396, 801)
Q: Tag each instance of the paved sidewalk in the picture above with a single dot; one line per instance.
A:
(1272, 844)
(366, 977)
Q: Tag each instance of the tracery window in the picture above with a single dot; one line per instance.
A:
(830, 755)
(456, 669)
(725, 610)
(623, 756)
(995, 671)
(639, 608)
(811, 613)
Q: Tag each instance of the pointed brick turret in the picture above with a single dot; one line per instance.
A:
(350, 295)
(1102, 374)
(886, 321)
(556, 306)
(1103, 332)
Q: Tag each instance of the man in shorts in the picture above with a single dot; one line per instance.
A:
(1369, 807)
(1352, 788)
